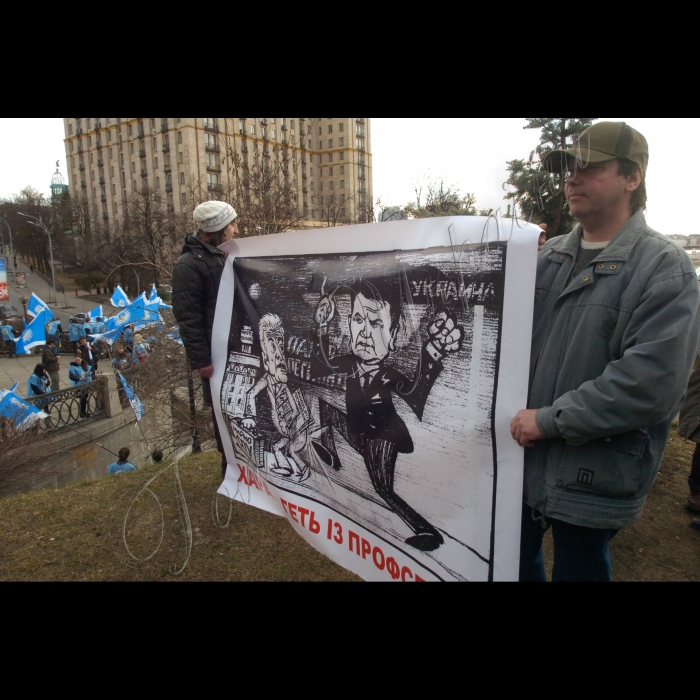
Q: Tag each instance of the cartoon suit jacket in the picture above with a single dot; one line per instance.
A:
(369, 403)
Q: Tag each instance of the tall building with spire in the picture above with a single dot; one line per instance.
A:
(329, 161)
(58, 184)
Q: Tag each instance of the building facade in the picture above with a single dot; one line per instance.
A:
(328, 162)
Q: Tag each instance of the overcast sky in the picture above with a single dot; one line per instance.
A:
(469, 153)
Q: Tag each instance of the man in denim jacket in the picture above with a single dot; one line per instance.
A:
(616, 330)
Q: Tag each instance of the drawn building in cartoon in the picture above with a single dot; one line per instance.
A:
(241, 374)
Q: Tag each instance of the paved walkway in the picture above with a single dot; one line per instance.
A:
(19, 368)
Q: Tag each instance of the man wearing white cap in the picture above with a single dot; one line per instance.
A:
(196, 278)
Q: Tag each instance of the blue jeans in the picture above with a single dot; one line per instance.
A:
(580, 553)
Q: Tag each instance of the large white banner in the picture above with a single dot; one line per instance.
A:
(366, 378)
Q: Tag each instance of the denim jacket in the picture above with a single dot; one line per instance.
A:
(611, 356)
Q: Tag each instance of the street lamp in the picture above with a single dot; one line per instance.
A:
(38, 222)
(12, 248)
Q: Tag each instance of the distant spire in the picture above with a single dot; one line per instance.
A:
(58, 184)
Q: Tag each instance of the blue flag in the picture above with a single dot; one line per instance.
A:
(174, 334)
(14, 387)
(97, 311)
(119, 299)
(23, 414)
(36, 306)
(134, 400)
(131, 314)
(34, 334)
(153, 296)
(109, 336)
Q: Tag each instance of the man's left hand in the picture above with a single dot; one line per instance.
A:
(524, 428)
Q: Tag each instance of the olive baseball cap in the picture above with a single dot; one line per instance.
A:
(599, 143)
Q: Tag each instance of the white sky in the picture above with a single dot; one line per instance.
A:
(469, 153)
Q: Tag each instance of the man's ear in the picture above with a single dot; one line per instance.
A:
(635, 179)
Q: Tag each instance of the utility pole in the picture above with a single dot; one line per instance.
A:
(38, 222)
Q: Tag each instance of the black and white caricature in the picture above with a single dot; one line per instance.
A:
(358, 391)
(370, 423)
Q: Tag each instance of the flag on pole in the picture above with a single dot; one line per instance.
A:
(119, 299)
(134, 400)
(36, 306)
(14, 387)
(34, 334)
(23, 414)
(153, 296)
(97, 311)
(109, 336)
(131, 314)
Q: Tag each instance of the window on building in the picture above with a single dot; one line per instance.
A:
(131, 148)
(342, 184)
(320, 130)
(330, 172)
(330, 143)
(157, 183)
(179, 136)
(342, 197)
(341, 127)
(330, 157)
(182, 178)
(330, 185)
(342, 211)
(131, 129)
(342, 169)
(251, 129)
(330, 128)
(183, 198)
(155, 163)
(341, 141)
(342, 156)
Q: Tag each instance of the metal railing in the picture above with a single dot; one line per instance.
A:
(72, 406)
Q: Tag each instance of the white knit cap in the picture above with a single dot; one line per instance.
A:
(214, 216)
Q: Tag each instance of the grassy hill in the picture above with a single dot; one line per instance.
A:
(62, 535)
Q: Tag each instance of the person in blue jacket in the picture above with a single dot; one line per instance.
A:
(39, 383)
(75, 334)
(122, 464)
(53, 332)
(78, 374)
(8, 335)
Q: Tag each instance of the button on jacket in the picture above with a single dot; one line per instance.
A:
(611, 357)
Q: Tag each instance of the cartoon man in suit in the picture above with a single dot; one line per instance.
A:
(371, 425)
(289, 413)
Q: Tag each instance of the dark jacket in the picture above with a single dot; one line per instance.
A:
(196, 280)
(49, 360)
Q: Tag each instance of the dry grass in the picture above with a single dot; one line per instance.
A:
(61, 535)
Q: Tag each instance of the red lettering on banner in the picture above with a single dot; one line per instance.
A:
(242, 476)
(330, 529)
(393, 568)
(404, 572)
(353, 540)
(418, 579)
(293, 512)
(366, 548)
(284, 505)
(304, 512)
(253, 479)
(314, 525)
(338, 537)
(379, 564)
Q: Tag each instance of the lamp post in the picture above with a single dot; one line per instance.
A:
(38, 222)
(12, 248)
